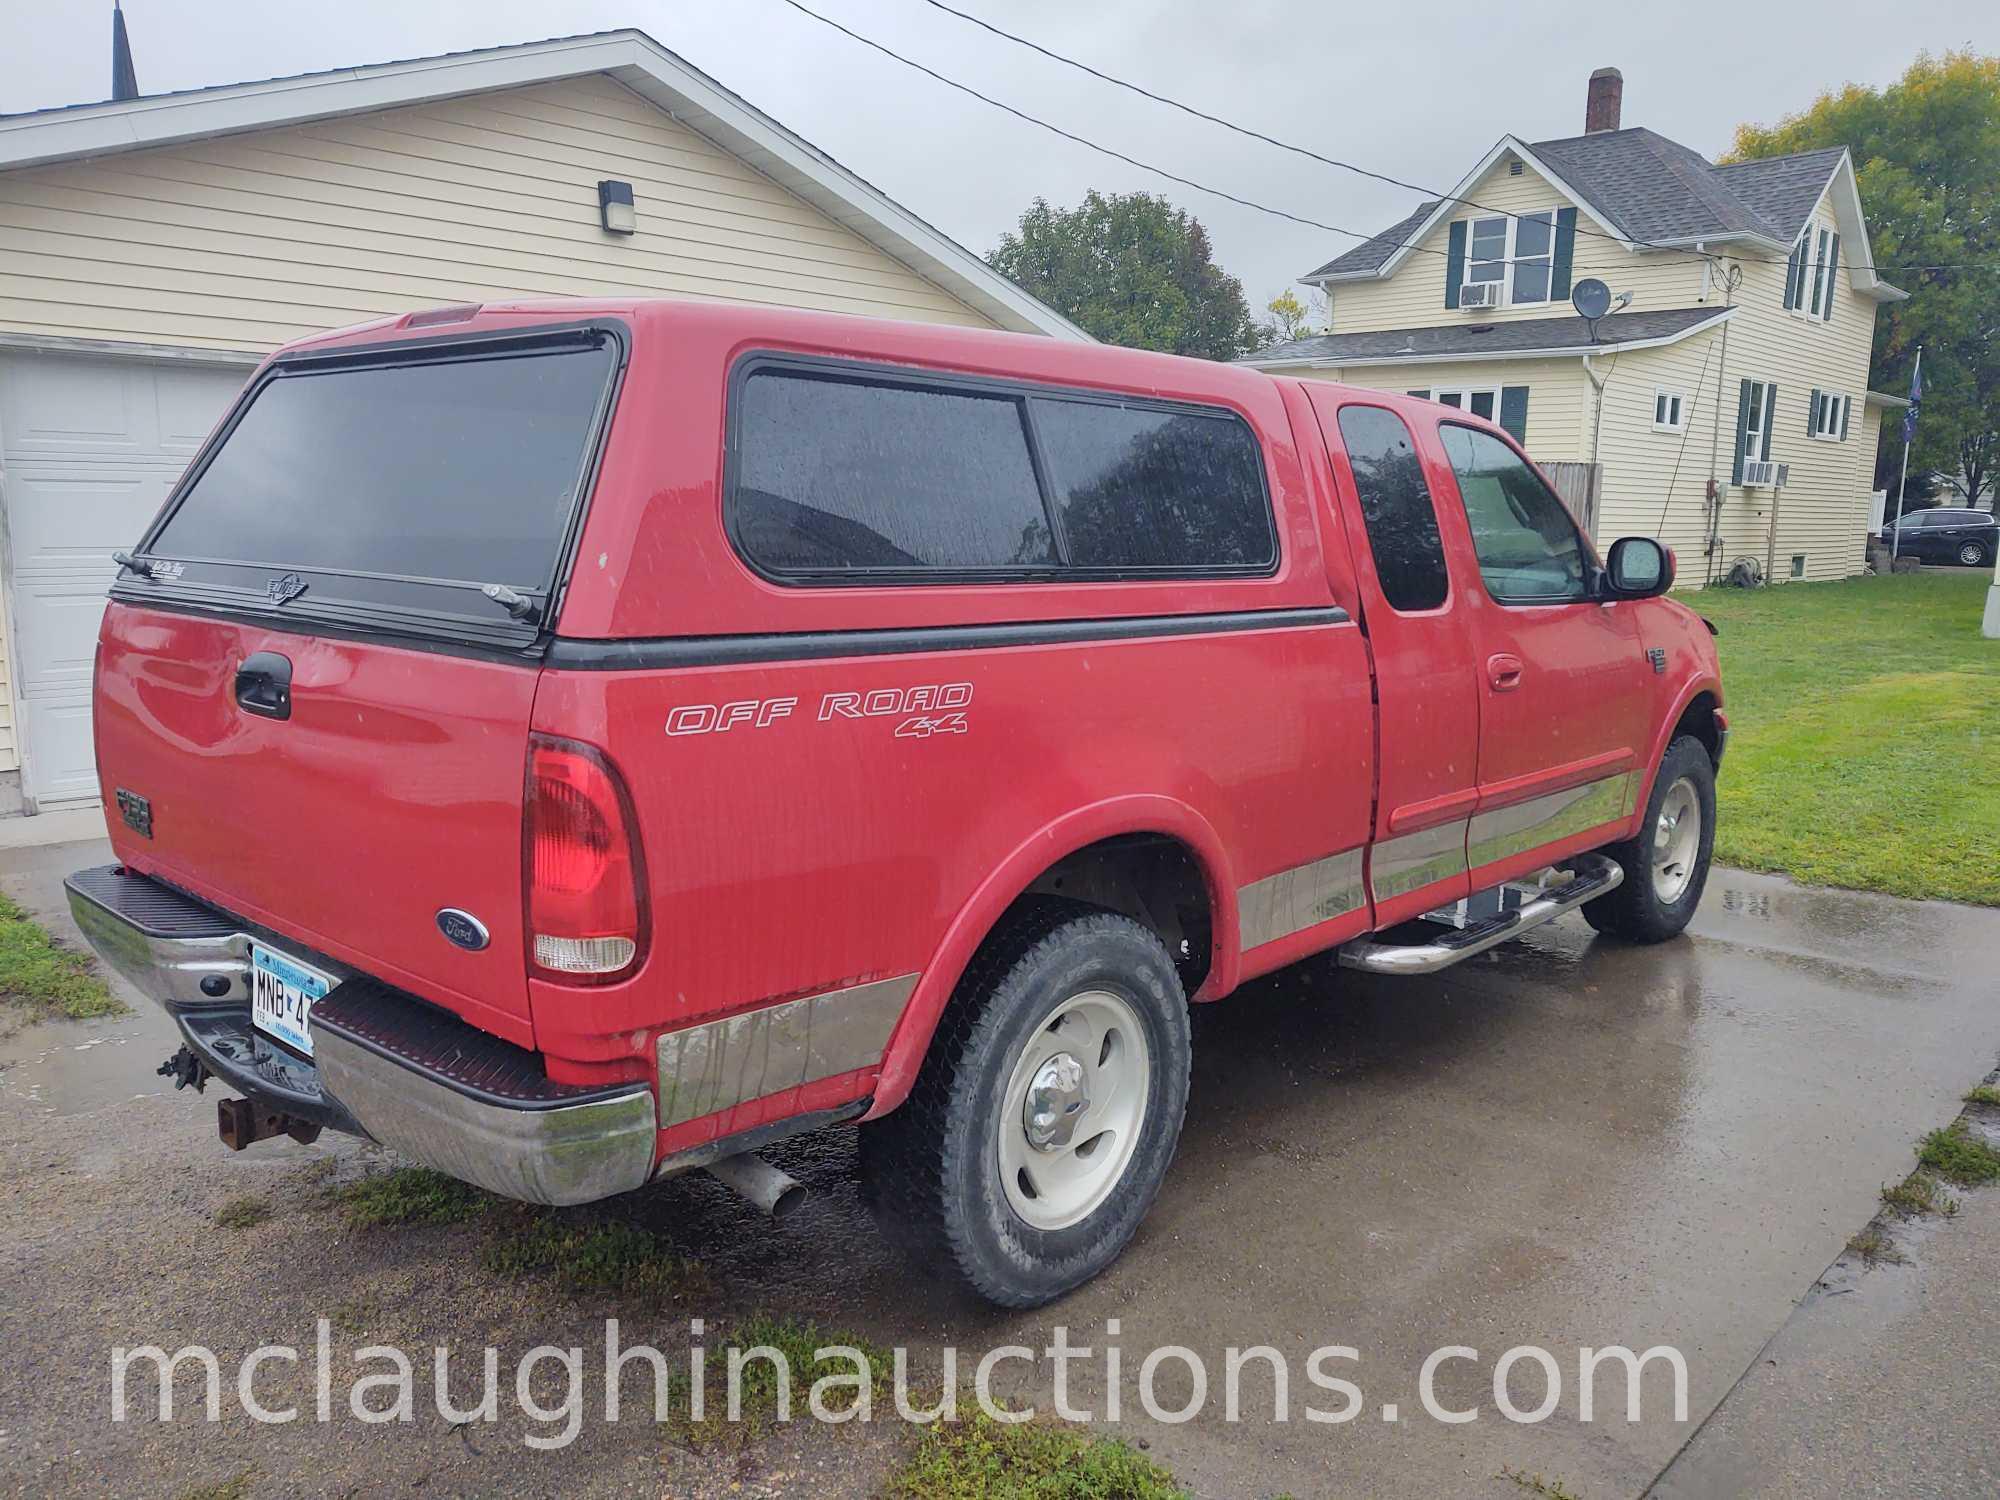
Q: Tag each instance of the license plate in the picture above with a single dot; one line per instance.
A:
(282, 994)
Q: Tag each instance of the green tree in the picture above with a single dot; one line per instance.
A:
(1927, 156)
(1131, 269)
(1289, 318)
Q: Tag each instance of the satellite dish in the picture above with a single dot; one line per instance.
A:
(1591, 298)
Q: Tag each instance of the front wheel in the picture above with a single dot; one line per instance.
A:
(1048, 1108)
(1666, 866)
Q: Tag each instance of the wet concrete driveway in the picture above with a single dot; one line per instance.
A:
(1566, 1143)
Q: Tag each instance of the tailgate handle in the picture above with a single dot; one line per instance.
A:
(264, 685)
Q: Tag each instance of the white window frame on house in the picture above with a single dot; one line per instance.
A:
(1829, 419)
(1753, 431)
(1816, 290)
(1510, 259)
(1669, 409)
(1461, 398)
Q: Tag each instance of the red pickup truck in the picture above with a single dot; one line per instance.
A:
(576, 742)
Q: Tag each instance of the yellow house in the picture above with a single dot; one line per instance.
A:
(1723, 396)
(153, 249)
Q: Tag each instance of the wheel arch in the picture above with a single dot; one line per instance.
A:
(1018, 875)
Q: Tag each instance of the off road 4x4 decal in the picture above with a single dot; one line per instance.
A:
(919, 712)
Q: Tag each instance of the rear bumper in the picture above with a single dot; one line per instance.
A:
(385, 1064)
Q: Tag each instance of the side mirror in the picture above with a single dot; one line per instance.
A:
(1638, 568)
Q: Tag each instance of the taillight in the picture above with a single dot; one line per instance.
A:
(582, 869)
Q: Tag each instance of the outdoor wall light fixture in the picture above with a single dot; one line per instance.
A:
(614, 207)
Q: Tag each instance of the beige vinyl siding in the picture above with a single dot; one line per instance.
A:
(1555, 393)
(247, 241)
(1655, 483)
(1414, 296)
(1821, 513)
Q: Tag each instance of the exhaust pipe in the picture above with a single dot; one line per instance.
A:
(778, 1193)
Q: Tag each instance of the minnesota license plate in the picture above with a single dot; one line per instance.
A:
(282, 994)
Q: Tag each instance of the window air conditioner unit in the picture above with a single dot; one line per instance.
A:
(1760, 473)
(1479, 294)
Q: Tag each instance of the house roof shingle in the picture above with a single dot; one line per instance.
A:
(1525, 337)
(1650, 189)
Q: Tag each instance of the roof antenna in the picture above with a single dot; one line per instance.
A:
(124, 82)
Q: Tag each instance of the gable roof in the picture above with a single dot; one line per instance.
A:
(1518, 338)
(1650, 193)
(77, 131)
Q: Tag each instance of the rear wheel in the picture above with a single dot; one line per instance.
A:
(1972, 554)
(1048, 1108)
(1666, 866)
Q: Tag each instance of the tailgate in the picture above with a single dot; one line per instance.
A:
(319, 666)
(392, 791)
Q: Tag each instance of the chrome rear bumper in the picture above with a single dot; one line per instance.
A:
(401, 1072)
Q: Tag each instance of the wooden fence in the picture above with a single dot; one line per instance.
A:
(1581, 486)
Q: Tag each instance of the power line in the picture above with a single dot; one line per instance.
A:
(1070, 135)
(1699, 257)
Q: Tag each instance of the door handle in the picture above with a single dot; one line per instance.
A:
(1503, 671)
(264, 685)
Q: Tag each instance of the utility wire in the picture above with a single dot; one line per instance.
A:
(1069, 135)
(1697, 258)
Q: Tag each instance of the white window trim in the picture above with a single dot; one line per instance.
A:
(1679, 409)
(1831, 403)
(1508, 259)
(1465, 393)
(1753, 436)
(1814, 283)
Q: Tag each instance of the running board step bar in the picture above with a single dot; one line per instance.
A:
(1594, 875)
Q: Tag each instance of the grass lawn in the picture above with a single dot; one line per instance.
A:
(44, 979)
(1865, 733)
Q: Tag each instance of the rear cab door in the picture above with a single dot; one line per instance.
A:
(1566, 703)
(1414, 605)
(309, 710)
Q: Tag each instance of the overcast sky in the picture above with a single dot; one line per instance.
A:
(1417, 91)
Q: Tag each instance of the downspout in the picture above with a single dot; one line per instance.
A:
(1597, 384)
(1715, 486)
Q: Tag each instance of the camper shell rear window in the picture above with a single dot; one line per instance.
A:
(395, 488)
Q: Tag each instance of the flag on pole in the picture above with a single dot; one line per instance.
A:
(124, 82)
(1916, 401)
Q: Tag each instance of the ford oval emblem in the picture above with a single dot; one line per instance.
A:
(462, 929)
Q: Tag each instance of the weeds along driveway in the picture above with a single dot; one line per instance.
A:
(1566, 1143)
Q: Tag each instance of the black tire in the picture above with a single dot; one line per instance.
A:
(1972, 555)
(1635, 911)
(930, 1169)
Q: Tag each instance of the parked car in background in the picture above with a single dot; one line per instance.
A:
(1946, 535)
(576, 742)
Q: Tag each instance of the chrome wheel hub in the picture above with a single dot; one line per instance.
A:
(1073, 1110)
(1676, 841)
(1058, 1095)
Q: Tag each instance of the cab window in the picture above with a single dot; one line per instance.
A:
(1529, 549)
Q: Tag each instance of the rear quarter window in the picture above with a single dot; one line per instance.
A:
(843, 473)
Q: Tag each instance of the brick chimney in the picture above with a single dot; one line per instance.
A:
(1607, 94)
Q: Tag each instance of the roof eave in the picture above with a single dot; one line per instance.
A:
(1569, 351)
(628, 55)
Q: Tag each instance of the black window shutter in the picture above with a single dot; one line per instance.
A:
(1454, 263)
(1559, 268)
(1770, 417)
(1514, 412)
(1832, 270)
(1742, 432)
(1792, 279)
(1812, 414)
(1846, 411)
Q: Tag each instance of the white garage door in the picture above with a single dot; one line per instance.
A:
(88, 449)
